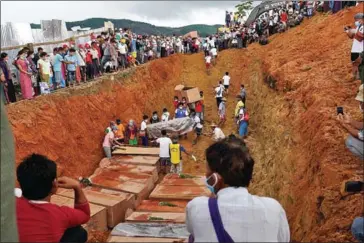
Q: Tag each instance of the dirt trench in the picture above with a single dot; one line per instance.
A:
(298, 147)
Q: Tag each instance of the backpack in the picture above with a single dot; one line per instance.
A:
(219, 93)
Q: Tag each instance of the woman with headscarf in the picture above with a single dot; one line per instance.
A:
(4, 58)
(24, 76)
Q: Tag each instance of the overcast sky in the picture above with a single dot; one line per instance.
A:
(160, 13)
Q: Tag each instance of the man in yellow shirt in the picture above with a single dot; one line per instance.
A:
(121, 131)
(239, 105)
(175, 150)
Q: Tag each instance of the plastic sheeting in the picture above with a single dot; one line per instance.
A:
(180, 126)
(178, 231)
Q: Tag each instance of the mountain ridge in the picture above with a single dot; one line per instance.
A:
(141, 27)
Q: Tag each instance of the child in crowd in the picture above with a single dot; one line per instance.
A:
(222, 112)
(38, 219)
(45, 70)
(131, 133)
(165, 115)
(226, 79)
(154, 118)
(143, 131)
(164, 156)
(175, 150)
(176, 102)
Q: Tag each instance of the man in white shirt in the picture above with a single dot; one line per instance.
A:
(226, 79)
(208, 63)
(214, 54)
(219, 90)
(245, 217)
(164, 155)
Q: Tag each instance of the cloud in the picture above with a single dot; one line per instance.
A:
(163, 13)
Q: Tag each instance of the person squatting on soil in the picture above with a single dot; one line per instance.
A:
(355, 140)
(110, 141)
(164, 154)
(229, 170)
(357, 34)
(216, 133)
(38, 219)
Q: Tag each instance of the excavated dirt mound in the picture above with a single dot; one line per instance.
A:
(294, 85)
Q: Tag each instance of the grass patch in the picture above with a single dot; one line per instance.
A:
(168, 204)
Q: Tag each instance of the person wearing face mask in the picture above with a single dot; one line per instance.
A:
(181, 112)
(24, 77)
(357, 35)
(154, 118)
(165, 115)
(143, 130)
(132, 133)
(355, 140)
(233, 214)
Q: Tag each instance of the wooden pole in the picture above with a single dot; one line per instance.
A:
(43, 43)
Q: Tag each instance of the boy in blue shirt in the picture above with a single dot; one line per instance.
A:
(72, 63)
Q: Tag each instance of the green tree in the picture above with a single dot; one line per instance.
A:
(243, 7)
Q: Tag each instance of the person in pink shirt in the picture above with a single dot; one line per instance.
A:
(109, 141)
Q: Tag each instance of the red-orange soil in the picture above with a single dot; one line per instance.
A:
(298, 146)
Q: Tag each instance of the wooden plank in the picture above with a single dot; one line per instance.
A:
(145, 217)
(178, 192)
(116, 205)
(98, 220)
(113, 238)
(133, 168)
(175, 180)
(137, 151)
(138, 160)
(125, 176)
(139, 190)
(132, 199)
(160, 206)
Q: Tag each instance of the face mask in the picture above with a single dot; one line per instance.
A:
(357, 23)
(211, 188)
(180, 107)
(155, 117)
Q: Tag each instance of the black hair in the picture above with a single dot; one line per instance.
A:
(155, 112)
(220, 82)
(231, 159)
(55, 49)
(227, 73)
(40, 49)
(60, 49)
(29, 53)
(180, 104)
(145, 117)
(118, 121)
(72, 50)
(35, 175)
(164, 132)
(242, 85)
(184, 98)
(43, 54)
(165, 110)
(3, 55)
(176, 97)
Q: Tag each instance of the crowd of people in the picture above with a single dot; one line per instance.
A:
(229, 164)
